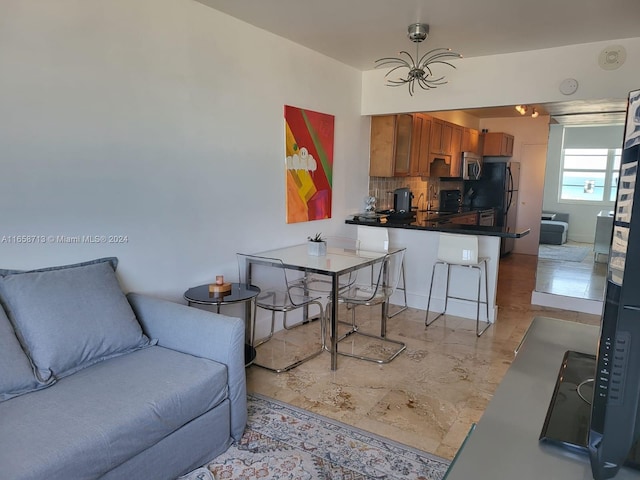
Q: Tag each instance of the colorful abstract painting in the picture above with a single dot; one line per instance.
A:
(309, 164)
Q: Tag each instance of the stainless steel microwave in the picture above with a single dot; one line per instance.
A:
(471, 166)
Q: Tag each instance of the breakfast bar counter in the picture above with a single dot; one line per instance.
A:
(437, 223)
(420, 237)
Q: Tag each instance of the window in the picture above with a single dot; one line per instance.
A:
(590, 174)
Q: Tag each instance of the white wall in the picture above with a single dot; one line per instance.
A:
(582, 217)
(161, 120)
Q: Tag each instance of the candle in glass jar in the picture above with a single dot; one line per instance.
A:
(219, 279)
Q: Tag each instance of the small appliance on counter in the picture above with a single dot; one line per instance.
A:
(450, 200)
(402, 209)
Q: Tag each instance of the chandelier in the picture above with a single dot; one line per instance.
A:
(419, 68)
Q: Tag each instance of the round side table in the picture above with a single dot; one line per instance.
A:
(240, 293)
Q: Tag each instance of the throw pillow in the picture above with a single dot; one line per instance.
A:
(111, 260)
(16, 376)
(70, 318)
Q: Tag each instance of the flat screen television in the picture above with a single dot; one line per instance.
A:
(595, 407)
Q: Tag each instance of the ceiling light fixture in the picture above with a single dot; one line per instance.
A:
(420, 67)
(523, 109)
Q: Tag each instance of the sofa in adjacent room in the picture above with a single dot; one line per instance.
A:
(98, 384)
(554, 228)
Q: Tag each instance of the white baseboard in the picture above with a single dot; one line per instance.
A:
(566, 303)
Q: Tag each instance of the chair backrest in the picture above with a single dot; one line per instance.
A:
(346, 243)
(373, 239)
(393, 264)
(458, 249)
(266, 273)
(387, 274)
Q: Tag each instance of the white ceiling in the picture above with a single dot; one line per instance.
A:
(358, 32)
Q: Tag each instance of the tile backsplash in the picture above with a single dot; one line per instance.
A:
(382, 188)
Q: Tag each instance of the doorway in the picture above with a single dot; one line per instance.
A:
(571, 266)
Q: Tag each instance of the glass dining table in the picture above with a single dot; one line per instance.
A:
(337, 262)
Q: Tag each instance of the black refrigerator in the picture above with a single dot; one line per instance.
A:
(497, 188)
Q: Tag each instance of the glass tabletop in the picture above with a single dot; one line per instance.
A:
(337, 260)
(239, 293)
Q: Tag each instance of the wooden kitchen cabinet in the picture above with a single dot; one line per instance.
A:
(441, 133)
(470, 218)
(456, 151)
(471, 141)
(422, 136)
(445, 149)
(498, 144)
(400, 145)
(391, 145)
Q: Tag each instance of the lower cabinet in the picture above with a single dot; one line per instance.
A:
(470, 218)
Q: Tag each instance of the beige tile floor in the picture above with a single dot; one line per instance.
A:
(430, 395)
(584, 279)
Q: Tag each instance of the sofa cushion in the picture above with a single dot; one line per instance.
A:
(70, 318)
(113, 261)
(16, 376)
(98, 418)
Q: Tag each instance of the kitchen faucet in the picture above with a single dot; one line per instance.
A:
(432, 196)
(419, 197)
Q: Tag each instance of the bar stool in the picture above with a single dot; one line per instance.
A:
(462, 251)
(376, 239)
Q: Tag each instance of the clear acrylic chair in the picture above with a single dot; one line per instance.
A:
(462, 251)
(277, 296)
(378, 292)
(376, 239)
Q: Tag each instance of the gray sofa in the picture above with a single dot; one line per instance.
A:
(96, 384)
(554, 232)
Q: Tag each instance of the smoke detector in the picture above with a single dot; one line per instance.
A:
(612, 57)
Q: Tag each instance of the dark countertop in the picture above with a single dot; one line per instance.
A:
(434, 222)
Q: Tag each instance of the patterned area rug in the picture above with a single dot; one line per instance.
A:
(568, 253)
(285, 442)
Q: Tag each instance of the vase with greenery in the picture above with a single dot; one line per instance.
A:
(317, 245)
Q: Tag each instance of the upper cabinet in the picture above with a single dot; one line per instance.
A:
(457, 134)
(399, 145)
(422, 125)
(390, 141)
(445, 149)
(423, 146)
(441, 133)
(498, 144)
(471, 141)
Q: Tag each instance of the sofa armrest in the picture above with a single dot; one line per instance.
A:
(202, 334)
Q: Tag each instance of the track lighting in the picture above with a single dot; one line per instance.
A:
(523, 109)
